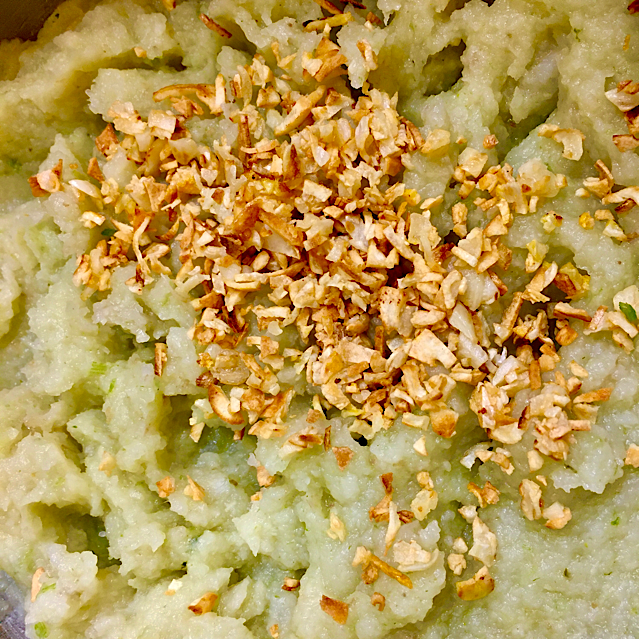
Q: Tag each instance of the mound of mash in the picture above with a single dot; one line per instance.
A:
(317, 320)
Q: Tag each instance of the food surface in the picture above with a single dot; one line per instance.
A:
(317, 320)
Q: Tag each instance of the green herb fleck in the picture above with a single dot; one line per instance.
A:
(108, 232)
(41, 630)
(111, 386)
(628, 311)
(98, 368)
(615, 521)
(46, 588)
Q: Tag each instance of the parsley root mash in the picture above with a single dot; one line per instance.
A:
(318, 320)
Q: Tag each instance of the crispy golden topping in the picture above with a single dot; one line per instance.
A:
(557, 516)
(337, 20)
(490, 141)
(309, 245)
(194, 490)
(484, 546)
(336, 609)
(411, 557)
(204, 604)
(299, 223)
(478, 586)
(531, 501)
(36, 586)
(290, 584)
(107, 463)
(160, 358)
(570, 139)
(632, 456)
(343, 455)
(166, 486)
(457, 563)
(426, 499)
(379, 601)
(209, 23)
(336, 529)
(486, 495)
(46, 182)
(371, 566)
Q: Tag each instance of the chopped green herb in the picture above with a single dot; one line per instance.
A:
(98, 368)
(108, 232)
(46, 588)
(628, 311)
(112, 385)
(615, 521)
(41, 630)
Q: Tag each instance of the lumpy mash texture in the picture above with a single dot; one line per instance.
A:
(88, 429)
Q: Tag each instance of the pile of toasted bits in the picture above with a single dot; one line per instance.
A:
(303, 221)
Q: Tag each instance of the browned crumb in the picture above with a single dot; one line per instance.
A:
(36, 586)
(490, 141)
(204, 604)
(632, 456)
(486, 495)
(214, 26)
(166, 486)
(107, 142)
(160, 358)
(371, 566)
(343, 455)
(379, 601)
(107, 463)
(194, 490)
(290, 584)
(625, 142)
(557, 516)
(336, 609)
(478, 586)
(94, 170)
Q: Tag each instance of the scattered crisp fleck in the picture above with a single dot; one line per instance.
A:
(343, 455)
(337, 610)
(379, 601)
(194, 490)
(214, 26)
(290, 584)
(457, 563)
(420, 447)
(166, 486)
(531, 502)
(557, 516)
(107, 464)
(478, 586)
(490, 141)
(160, 358)
(486, 495)
(336, 529)
(484, 546)
(36, 586)
(204, 604)
(632, 456)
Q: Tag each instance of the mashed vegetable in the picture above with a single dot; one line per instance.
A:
(330, 332)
